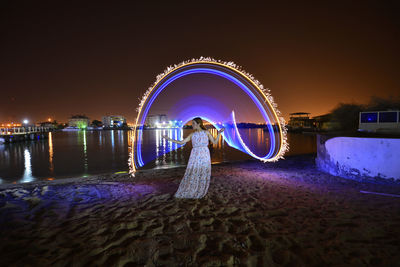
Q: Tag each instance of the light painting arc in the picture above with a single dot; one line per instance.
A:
(228, 70)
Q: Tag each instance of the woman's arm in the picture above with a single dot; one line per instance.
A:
(215, 140)
(184, 141)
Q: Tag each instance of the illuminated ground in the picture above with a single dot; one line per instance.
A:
(284, 213)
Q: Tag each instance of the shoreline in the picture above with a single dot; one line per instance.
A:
(65, 178)
(273, 214)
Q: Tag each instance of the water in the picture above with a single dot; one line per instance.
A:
(84, 153)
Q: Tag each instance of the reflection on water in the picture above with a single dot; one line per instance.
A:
(83, 153)
(112, 138)
(82, 141)
(28, 167)
(163, 147)
(158, 153)
(51, 169)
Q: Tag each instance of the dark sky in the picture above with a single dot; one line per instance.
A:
(59, 58)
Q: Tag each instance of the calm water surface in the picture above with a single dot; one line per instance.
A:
(84, 153)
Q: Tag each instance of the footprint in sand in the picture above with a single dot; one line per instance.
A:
(239, 225)
(218, 225)
(193, 225)
(170, 210)
(181, 242)
(256, 243)
(281, 256)
(227, 211)
(207, 221)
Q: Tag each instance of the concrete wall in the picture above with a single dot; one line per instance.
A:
(386, 127)
(359, 158)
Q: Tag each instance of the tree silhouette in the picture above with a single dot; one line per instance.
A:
(346, 116)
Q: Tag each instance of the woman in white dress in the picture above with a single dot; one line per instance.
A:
(196, 180)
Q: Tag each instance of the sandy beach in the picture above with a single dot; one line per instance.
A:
(255, 214)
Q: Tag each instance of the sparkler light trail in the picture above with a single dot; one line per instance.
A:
(276, 143)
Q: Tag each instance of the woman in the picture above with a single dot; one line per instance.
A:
(196, 180)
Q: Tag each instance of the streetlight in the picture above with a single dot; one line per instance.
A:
(25, 121)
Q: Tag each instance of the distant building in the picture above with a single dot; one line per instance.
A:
(79, 121)
(46, 124)
(10, 125)
(114, 121)
(155, 121)
(380, 121)
(323, 122)
(300, 121)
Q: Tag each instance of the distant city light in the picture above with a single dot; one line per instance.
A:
(25, 121)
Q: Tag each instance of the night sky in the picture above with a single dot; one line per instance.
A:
(64, 57)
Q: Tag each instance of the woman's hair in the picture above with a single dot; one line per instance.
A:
(199, 121)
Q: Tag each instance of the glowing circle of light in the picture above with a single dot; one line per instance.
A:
(208, 71)
(253, 88)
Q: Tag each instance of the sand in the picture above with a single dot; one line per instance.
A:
(255, 214)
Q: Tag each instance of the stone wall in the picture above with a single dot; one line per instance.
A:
(359, 157)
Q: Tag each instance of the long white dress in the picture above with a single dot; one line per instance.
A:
(196, 180)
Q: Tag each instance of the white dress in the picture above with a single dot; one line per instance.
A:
(196, 180)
